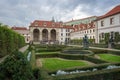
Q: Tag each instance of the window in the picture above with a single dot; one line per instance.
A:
(36, 23)
(93, 30)
(61, 34)
(90, 37)
(68, 30)
(61, 38)
(102, 35)
(102, 23)
(90, 31)
(87, 31)
(66, 34)
(111, 21)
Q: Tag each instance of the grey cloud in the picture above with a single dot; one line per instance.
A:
(22, 12)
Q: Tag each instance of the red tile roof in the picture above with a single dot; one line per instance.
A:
(48, 24)
(82, 26)
(114, 11)
(19, 28)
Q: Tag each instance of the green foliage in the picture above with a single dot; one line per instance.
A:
(109, 57)
(99, 45)
(37, 74)
(49, 48)
(9, 40)
(107, 35)
(16, 67)
(59, 63)
(32, 59)
(117, 37)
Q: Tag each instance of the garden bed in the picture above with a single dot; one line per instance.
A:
(53, 64)
(109, 57)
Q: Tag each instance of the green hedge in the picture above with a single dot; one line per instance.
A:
(72, 57)
(16, 67)
(9, 41)
(96, 75)
(112, 74)
(94, 60)
(98, 51)
(49, 48)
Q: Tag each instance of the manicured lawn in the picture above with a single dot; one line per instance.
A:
(58, 63)
(109, 57)
(47, 53)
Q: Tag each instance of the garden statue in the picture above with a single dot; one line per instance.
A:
(111, 41)
(85, 42)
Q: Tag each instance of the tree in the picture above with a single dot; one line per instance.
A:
(107, 35)
(117, 37)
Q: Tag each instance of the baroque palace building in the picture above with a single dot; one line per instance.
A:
(51, 32)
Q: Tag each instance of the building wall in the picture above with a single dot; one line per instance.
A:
(80, 34)
(107, 28)
(26, 35)
(60, 33)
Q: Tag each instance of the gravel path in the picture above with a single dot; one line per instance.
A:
(38, 63)
(97, 48)
(23, 49)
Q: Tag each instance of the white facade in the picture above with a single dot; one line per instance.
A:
(80, 34)
(64, 35)
(107, 25)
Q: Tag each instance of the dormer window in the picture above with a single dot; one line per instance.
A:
(45, 24)
(36, 23)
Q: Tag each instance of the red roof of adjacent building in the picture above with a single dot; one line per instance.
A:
(49, 24)
(114, 11)
(82, 26)
(19, 28)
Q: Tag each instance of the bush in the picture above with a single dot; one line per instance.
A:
(9, 41)
(100, 74)
(16, 67)
(49, 48)
(98, 51)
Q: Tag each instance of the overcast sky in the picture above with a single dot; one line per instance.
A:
(23, 12)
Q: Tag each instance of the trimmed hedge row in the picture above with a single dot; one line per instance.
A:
(9, 41)
(72, 57)
(98, 51)
(112, 74)
(49, 48)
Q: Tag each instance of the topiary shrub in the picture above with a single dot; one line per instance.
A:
(16, 67)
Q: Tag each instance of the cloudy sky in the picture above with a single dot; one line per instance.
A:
(23, 12)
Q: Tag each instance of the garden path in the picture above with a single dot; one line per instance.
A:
(39, 63)
(97, 48)
(23, 49)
